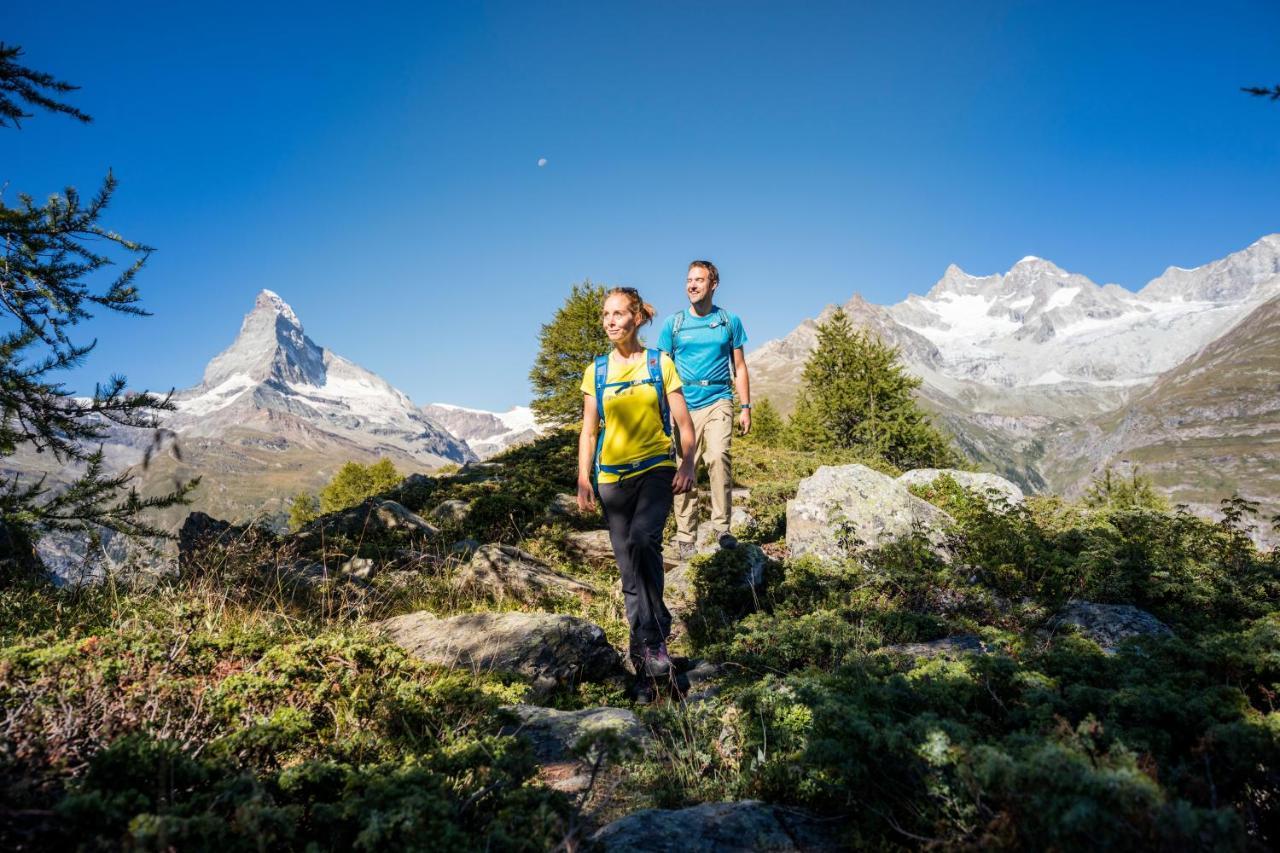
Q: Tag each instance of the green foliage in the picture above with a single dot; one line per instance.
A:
(566, 345)
(53, 255)
(355, 483)
(767, 426)
(856, 394)
(189, 730)
(303, 510)
(1108, 491)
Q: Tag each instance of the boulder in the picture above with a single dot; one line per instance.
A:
(562, 506)
(372, 517)
(747, 825)
(980, 483)
(550, 649)
(555, 734)
(557, 738)
(507, 572)
(591, 545)
(200, 531)
(946, 647)
(678, 587)
(1109, 625)
(853, 500)
(450, 512)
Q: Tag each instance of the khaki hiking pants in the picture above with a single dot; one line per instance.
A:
(712, 435)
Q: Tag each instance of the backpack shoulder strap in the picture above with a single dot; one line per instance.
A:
(602, 378)
(654, 357)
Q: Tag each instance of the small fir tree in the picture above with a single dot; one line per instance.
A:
(1109, 490)
(767, 426)
(52, 258)
(566, 346)
(857, 395)
(304, 509)
(355, 483)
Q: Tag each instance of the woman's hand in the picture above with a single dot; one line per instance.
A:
(683, 481)
(586, 496)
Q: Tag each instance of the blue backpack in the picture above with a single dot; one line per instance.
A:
(654, 359)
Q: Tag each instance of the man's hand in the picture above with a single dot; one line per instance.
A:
(586, 496)
(744, 421)
(683, 481)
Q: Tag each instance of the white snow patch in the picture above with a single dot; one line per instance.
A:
(1062, 297)
(220, 396)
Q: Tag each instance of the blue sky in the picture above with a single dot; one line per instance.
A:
(376, 164)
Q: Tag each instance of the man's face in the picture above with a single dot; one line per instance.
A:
(698, 284)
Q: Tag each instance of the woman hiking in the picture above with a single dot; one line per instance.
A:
(633, 394)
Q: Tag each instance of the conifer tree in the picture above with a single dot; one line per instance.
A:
(304, 509)
(767, 427)
(53, 259)
(355, 483)
(566, 346)
(857, 395)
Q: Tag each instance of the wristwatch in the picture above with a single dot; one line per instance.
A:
(745, 406)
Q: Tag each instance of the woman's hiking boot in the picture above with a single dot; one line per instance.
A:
(655, 662)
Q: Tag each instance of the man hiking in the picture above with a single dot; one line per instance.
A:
(706, 341)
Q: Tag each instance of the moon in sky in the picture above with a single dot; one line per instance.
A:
(542, 161)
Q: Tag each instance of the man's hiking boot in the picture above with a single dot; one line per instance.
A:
(685, 550)
(656, 663)
(728, 541)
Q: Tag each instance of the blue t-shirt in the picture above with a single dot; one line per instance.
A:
(703, 351)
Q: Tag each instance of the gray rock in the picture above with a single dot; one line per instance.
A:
(508, 572)
(450, 512)
(591, 545)
(361, 567)
(748, 825)
(740, 495)
(562, 505)
(740, 518)
(980, 483)
(372, 517)
(947, 646)
(679, 582)
(464, 548)
(555, 734)
(395, 516)
(550, 649)
(874, 507)
(1109, 625)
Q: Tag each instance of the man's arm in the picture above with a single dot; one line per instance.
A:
(742, 382)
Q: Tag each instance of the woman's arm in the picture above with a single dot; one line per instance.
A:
(680, 416)
(587, 452)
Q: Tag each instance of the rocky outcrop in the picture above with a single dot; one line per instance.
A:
(505, 571)
(450, 512)
(946, 647)
(549, 649)
(845, 505)
(371, 518)
(593, 546)
(743, 826)
(1109, 625)
(983, 484)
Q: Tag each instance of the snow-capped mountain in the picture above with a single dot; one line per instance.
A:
(1038, 363)
(486, 433)
(1038, 324)
(274, 378)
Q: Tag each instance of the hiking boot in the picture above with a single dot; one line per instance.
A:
(686, 550)
(656, 663)
(727, 541)
(644, 691)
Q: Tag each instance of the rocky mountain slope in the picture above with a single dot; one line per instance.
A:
(486, 433)
(1019, 365)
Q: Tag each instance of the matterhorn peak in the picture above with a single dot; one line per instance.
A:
(271, 346)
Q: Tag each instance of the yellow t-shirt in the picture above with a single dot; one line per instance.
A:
(632, 422)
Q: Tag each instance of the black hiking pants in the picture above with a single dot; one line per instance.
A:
(636, 511)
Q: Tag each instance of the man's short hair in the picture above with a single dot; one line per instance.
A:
(713, 274)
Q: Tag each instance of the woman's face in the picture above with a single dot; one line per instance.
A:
(619, 321)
